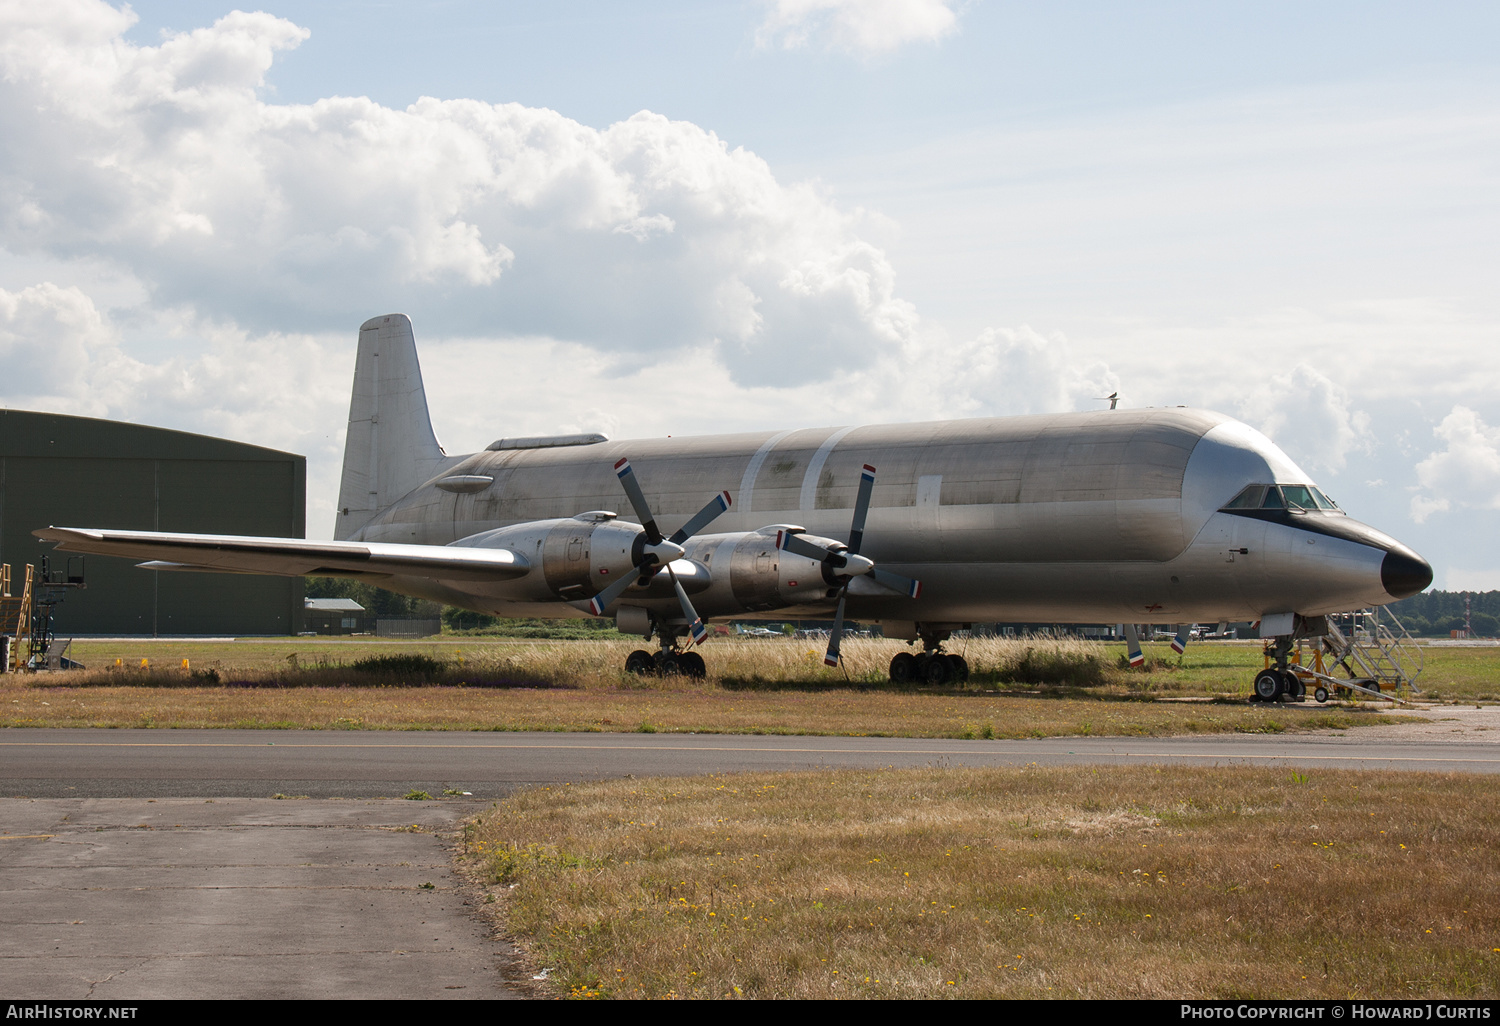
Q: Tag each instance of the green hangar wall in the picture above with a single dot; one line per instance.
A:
(80, 472)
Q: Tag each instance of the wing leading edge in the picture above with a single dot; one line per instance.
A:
(292, 557)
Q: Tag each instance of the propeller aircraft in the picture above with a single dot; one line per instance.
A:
(1112, 516)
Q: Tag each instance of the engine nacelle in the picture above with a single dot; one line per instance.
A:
(751, 574)
(576, 558)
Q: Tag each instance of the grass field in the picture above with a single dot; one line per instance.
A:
(1219, 669)
(1066, 882)
(1125, 882)
(760, 686)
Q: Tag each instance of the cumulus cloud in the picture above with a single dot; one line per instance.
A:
(1002, 371)
(857, 26)
(61, 354)
(648, 235)
(1309, 416)
(560, 276)
(1466, 473)
(51, 339)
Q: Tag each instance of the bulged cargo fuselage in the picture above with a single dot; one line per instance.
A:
(1109, 516)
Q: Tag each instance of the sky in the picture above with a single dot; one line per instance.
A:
(677, 218)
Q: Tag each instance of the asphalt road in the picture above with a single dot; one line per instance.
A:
(157, 863)
(365, 764)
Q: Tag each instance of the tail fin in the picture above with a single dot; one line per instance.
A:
(390, 447)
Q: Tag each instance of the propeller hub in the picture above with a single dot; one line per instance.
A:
(856, 565)
(663, 551)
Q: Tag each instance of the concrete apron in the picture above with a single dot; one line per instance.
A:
(122, 898)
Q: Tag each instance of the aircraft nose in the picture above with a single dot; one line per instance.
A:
(1404, 573)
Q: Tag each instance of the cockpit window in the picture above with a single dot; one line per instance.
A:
(1323, 501)
(1249, 498)
(1300, 497)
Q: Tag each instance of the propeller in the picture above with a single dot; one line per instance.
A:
(843, 563)
(655, 551)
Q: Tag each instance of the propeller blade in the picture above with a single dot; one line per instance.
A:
(602, 601)
(861, 508)
(695, 625)
(1133, 641)
(799, 545)
(908, 586)
(638, 500)
(1180, 641)
(701, 519)
(831, 657)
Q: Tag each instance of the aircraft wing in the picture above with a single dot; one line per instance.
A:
(292, 557)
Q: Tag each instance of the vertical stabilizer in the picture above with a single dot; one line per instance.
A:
(390, 448)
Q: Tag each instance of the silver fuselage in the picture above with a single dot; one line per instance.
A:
(1111, 516)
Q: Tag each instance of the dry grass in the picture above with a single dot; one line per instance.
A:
(758, 687)
(734, 663)
(1215, 670)
(1131, 882)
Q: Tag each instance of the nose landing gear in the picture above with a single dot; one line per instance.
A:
(1279, 682)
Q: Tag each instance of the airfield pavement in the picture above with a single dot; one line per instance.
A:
(155, 864)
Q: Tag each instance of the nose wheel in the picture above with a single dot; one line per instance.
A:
(1278, 682)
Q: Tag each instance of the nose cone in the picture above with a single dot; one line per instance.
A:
(1404, 573)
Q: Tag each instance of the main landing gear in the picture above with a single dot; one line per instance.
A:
(666, 663)
(933, 666)
(670, 660)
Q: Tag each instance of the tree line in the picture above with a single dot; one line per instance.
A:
(1438, 613)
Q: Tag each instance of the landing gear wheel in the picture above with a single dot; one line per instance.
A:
(692, 665)
(1268, 685)
(938, 670)
(903, 668)
(960, 668)
(640, 662)
(668, 664)
(1321, 695)
(1295, 689)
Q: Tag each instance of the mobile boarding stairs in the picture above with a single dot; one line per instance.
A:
(1371, 646)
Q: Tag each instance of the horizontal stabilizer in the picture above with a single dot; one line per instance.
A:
(292, 557)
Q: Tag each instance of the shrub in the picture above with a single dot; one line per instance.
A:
(1075, 669)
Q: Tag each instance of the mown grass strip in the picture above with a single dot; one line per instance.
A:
(1035, 882)
(704, 708)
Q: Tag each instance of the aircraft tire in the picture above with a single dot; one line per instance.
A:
(1295, 689)
(1268, 685)
(903, 668)
(692, 665)
(960, 668)
(669, 664)
(937, 671)
(641, 663)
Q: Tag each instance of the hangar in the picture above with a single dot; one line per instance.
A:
(61, 470)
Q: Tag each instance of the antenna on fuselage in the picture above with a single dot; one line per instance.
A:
(1113, 397)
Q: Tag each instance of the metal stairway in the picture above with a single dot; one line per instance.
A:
(1372, 645)
(15, 618)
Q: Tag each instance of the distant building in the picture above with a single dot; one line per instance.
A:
(336, 616)
(81, 472)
